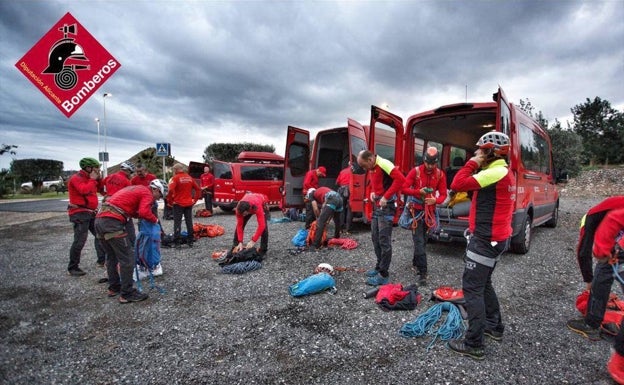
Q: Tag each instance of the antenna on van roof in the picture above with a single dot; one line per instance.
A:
(466, 93)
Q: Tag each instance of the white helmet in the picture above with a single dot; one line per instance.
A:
(310, 194)
(324, 268)
(160, 185)
(496, 140)
(127, 165)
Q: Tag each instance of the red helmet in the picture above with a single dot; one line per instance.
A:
(495, 140)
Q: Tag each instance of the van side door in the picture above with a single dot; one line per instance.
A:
(296, 165)
(224, 189)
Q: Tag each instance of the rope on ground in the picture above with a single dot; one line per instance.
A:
(241, 267)
(280, 220)
(452, 328)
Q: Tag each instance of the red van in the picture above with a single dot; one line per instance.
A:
(335, 149)
(454, 129)
(258, 172)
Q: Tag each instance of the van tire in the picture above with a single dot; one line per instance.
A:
(552, 222)
(521, 243)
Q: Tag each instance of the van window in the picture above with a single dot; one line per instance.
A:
(505, 118)
(298, 158)
(261, 173)
(222, 170)
(357, 145)
(382, 131)
(534, 151)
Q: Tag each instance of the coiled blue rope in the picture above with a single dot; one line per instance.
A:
(241, 267)
(452, 328)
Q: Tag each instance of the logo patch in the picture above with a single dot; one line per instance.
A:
(68, 65)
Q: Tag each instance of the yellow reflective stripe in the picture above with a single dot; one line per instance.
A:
(583, 221)
(384, 164)
(492, 174)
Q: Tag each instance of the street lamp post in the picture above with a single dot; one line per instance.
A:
(105, 160)
(97, 121)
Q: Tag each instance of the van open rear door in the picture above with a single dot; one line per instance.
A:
(503, 113)
(296, 165)
(393, 123)
(357, 184)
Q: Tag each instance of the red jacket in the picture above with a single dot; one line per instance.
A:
(344, 177)
(385, 178)
(116, 182)
(608, 230)
(181, 190)
(83, 192)
(134, 201)
(587, 232)
(310, 181)
(145, 180)
(207, 181)
(418, 178)
(257, 203)
(319, 194)
(493, 199)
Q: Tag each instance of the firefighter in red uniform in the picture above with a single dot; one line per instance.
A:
(602, 236)
(494, 192)
(142, 177)
(183, 194)
(386, 181)
(311, 180)
(330, 204)
(116, 182)
(425, 185)
(342, 187)
(258, 205)
(83, 188)
(110, 225)
(207, 185)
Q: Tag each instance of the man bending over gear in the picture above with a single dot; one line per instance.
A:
(600, 281)
(331, 207)
(110, 226)
(258, 205)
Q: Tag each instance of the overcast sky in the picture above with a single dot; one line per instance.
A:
(198, 72)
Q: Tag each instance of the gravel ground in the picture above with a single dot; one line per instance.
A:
(212, 328)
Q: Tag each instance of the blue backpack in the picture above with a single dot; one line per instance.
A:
(313, 284)
(147, 248)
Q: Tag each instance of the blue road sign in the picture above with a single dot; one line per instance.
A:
(163, 149)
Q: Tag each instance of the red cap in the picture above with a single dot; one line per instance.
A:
(322, 171)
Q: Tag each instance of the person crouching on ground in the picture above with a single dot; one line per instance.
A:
(331, 207)
(489, 225)
(110, 226)
(258, 205)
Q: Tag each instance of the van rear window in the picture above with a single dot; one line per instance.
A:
(262, 173)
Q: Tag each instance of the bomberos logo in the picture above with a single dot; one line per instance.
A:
(68, 65)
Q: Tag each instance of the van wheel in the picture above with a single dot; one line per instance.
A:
(552, 222)
(520, 243)
(227, 209)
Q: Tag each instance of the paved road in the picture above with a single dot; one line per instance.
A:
(35, 206)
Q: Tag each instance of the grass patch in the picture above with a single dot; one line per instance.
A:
(45, 195)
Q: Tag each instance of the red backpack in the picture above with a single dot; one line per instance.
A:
(613, 315)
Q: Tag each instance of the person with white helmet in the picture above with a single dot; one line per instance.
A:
(110, 226)
(488, 176)
(83, 188)
(117, 181)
